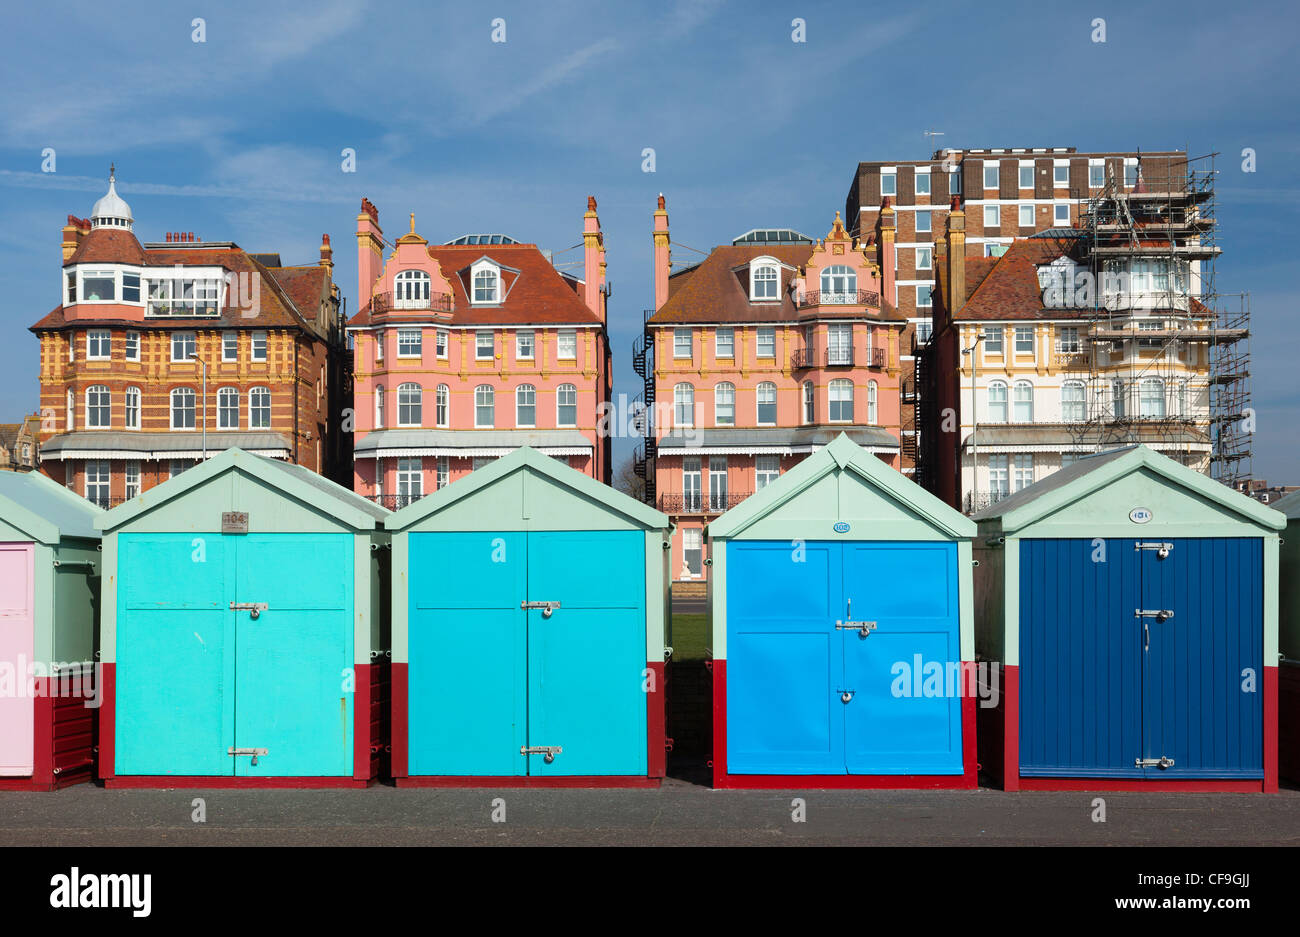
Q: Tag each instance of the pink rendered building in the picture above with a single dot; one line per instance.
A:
(756, 357)
(467, 350)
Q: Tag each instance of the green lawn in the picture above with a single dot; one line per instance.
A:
(689, 636)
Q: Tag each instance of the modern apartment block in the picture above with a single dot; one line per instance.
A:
(1007, 194)
(163, 353)
(755, 357)
(467, 350)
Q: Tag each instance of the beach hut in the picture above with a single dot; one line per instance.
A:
(842, 633)
(529, 614)
(243, 640)
(1132, 605)
(1288, 622)
(49, 574)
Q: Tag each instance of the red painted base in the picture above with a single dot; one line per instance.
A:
(62, 736)
(1012, 780)
(167, 782)
(656, 763)
(967, 780)
(611, 781)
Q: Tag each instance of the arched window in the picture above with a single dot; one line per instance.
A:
(133, 408)
(809, 402)
(410, 405)
(873, 414)
(411, 290)
(487, 284)
(765, 397)
(99, 410)
(566, 405)
(485, 406)
(1118, 401)
(1151, 399)
(841, 401)
(764, 279)
(228, 408)
(997, 402)
(1073, 402)
(182, 408)
(684, 405)
(1022, 402)
(525, 405)
(724, 404)
(259, 408)
(839, 285)
(442, 400)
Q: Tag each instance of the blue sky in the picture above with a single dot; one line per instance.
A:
(239, 138)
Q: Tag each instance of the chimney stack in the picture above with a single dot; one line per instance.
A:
(370, 246)
(327, 255)
(955, 237)
(663, 253)
(886, 251)
(73, 232)
(593, 255)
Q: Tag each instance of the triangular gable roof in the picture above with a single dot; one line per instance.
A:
(1288, 505)
(44, 509)
(1095, 472)
(306, 486)
(526, 457)
(843, 454)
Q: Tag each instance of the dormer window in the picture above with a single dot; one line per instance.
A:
(411, 290)
(487, 284)
(839, 285)
(764, 280)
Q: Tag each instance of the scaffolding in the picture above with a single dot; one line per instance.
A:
(1164, 358)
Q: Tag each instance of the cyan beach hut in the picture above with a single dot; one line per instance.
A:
(529, 615)
(1132, 603)
(841, 622)
(242, 630)
(49, 569)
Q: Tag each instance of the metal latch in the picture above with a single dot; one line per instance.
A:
(546, 607)
(1159, 614)
(236, 752)
(1164, 761)
(548, 752)
(254, 608)
(863, 628)
(1162, 549)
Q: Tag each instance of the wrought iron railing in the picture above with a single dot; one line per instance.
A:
(708, 502)
(839, 298)
(979, 500)
(384, 302)
(395, 502)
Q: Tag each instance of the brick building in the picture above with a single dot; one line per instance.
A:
(162, 351)
(1007, 194)
(20, 445)
(756, 357)
(470, 349)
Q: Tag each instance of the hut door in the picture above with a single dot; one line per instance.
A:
(1202, 667)
(17, 649)
(293, 677)
(586, 653)
(902, 661)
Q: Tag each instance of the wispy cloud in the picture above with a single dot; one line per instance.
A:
(550, 78)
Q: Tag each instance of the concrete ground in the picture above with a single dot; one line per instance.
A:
(679, 813)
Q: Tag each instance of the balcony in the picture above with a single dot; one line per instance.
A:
(979, 500)
(394, 502)
(804, 358)
(848, 298)
(712, 502)
(381, 303)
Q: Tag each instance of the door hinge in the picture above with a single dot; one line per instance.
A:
(546, 607)
(255, 752)
(254, 609)
(1162, 762)
(1162, 549)
(863, 628)
(548, 752)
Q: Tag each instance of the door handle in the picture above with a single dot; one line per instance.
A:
(254, 609)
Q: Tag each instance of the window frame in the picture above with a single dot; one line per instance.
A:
(257, 409)
(404, 336)
(410, 413)
(479, 335)
(720, 390)
(995, 403)
(762, 388)
(727, 349)
(225, 394)
(442, 406)
(180, 336)
(523, 391)
(831, 401)
(770, 342)
(100, 408)
(683, 389)
(561, 392)
(678, 335)
(102, 338)
(485, 399)
(180, 393)
(522, 337)
(995, 212)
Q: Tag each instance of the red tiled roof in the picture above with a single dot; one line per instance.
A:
(538, 294)
(718, 289)
(305, 286)
(108, 245)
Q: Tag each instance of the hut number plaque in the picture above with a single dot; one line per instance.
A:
(234, 522)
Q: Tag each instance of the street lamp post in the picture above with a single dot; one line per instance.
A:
(204, 365)
(974, 421)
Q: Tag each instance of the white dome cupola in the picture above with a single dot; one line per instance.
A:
(111, 211)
